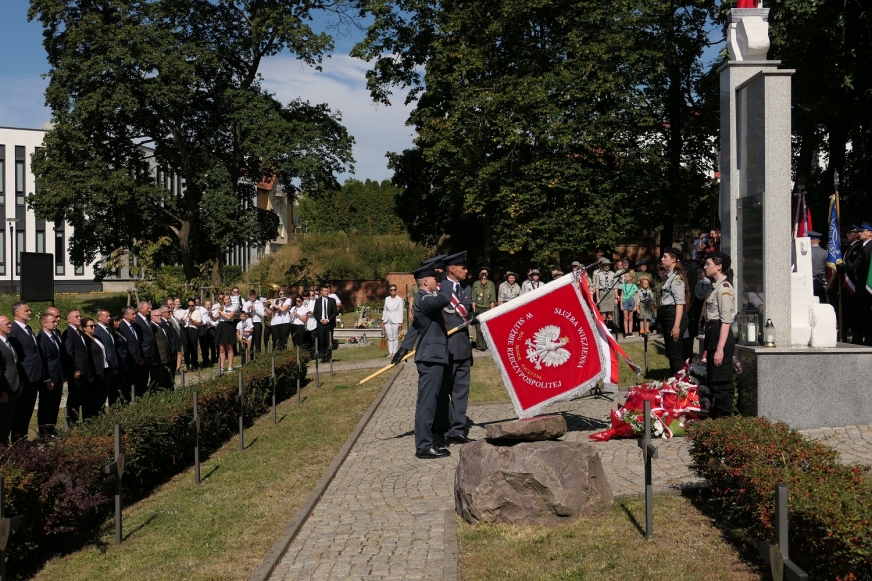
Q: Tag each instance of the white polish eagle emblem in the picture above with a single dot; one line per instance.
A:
(547, 347)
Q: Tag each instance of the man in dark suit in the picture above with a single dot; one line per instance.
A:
(325, 314)
(135, 360)
(107, 338)
(162, 352)
(77, 365)
(431, 358)
(146, 338)
(10, 384)
(50, 349)
(457, 374)
(175, 340)
(29, 368)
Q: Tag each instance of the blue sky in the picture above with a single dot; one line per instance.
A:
(377, 129)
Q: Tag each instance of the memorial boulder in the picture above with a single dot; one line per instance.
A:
(530, 483)
(530, 430)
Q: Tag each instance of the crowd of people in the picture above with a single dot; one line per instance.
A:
(120, 356)
(444, 300)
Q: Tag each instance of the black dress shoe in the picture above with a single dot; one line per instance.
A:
(460, 440)
(432, 453)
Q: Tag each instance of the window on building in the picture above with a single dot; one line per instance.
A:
(59, 251)
(2, 251)
(19, 175)
(2, 175)
(79, 271)
(20, 246)
(40, 241)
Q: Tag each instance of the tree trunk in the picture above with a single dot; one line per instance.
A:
(184, 236)
(218, 269)
(806, 154)
(667, 233)
(838, 140)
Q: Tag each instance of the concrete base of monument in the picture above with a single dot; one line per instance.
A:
(806, 387)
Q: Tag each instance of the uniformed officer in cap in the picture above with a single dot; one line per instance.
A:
(849, 299)
(861, 275)
(457, 373)
(413, 292)
(431, 357)
(720, 310)
(818, 266)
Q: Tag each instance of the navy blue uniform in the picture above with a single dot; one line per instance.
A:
(431, 359)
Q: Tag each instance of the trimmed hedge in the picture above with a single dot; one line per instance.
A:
(830, 515)
(60, 488)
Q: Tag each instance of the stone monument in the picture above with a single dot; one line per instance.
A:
(789, 381)
(523, 475)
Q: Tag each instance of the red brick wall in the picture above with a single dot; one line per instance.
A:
(354, 293)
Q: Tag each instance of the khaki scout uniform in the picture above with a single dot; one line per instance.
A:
(720, 309)
(602, 282)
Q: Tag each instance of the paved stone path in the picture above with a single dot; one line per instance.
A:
(383, 516)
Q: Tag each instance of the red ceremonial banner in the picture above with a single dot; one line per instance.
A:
(545, 345)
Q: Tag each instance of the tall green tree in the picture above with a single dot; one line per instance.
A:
(358, 207)
(174, 85)
(547, 128)
(680, 92)
(829, 45)
(527, 121)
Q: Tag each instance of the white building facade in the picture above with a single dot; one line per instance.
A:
(22, 232)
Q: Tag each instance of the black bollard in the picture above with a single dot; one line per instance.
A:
(195, 426)
(330, 351)
(649, 452)
(645, 339)
(298, 373)
(182, 371)
(7, 525)
(241, 415)
(274, 385)
(317, 353)
(117, 466)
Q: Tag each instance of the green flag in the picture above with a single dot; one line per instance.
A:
(869, 281)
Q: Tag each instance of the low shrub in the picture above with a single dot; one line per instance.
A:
(60, 488)
(830, 516)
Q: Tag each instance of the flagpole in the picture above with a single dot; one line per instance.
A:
(409, 355)
(842, 327)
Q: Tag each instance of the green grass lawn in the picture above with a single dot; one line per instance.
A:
(224, 527)
(608, 547)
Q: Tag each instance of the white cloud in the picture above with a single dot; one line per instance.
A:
(377, 129)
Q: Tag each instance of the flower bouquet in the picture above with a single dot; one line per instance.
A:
(675, 403)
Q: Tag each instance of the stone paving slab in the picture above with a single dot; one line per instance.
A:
(383, 516)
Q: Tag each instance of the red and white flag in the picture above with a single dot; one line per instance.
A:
(547, 345)
(608, 344)
(801, 217)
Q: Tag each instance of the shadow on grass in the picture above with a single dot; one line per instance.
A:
(205, 476)
(632, 518)
(251, 443)
(740, 536)
(141, 525)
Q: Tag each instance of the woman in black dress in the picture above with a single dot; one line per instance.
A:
(226, 334)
